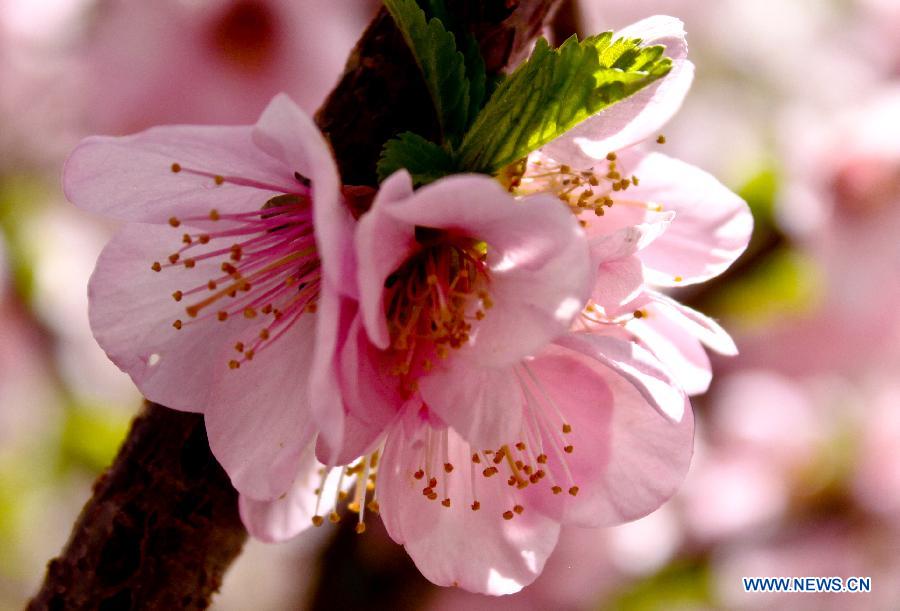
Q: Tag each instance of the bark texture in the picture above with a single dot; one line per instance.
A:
(162, 525)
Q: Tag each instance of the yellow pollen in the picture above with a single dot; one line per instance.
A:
(360, 528)
(610, 156)
(678, 278)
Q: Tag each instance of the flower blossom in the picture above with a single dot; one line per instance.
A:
(205, 296)
(685, 226)
(482, 423)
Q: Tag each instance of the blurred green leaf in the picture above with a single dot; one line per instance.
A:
(681, 584)
(91, 436)
(783, 283)
(759, 193)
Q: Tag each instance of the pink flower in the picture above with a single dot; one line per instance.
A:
(485, 420)
(171, 61)
(654, 221)
(214, 316)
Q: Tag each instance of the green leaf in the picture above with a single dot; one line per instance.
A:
(425, 160)
(443, 66)
(554, 91)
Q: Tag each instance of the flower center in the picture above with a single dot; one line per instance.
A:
(261, 265)
(432, 300)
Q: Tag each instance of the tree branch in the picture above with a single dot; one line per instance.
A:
(162, 525)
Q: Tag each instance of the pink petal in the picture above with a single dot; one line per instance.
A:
(699, 325)
(620, 277)
(132, 311)
(636, 365)
(258, 416)
(483, 404)
(676, 348)
(292, 513)
(540, 279)
(382, 244)
(288, 134)
(130, 177)
(712, 225)
(478, 551)
(627, 459)
(640, 116)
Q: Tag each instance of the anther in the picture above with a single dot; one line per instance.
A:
(176, 168)
(190, 263)
(566, 429)
(219, 180)
(508, 515)
(476, 506)
(214, 215)
(186, 239)
(174, 222)
(520, 446)
(177, 324)
(489, 471)
(448, 467)
(569, 449)
(232, 364)
(573, 490)
(211, 285)
(360, 528)
(249, 313)
(610, 156)
(476, 459)
(556, 489)
(334, 518)
(173, 258)
(318, 520)
(177, 295)
(239, 346)
(542, 459)
(419, 474)
(156, 266)
(518, 509)
(661, 139)
(222, 315)
(445, 502)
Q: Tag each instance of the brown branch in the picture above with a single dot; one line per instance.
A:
(160, 529)
(162, 525)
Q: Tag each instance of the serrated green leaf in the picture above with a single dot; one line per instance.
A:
(425, 160)
(442, 65)
(554, 91)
